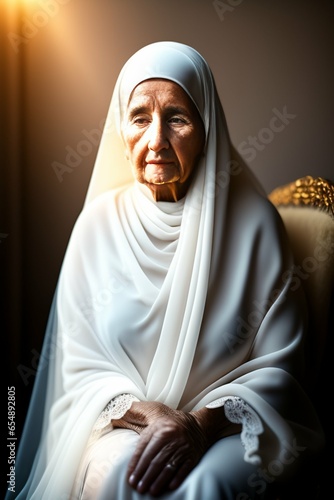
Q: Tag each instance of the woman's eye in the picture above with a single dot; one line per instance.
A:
(139, 121)
(176, 119)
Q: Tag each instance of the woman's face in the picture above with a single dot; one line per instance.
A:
(164, 138)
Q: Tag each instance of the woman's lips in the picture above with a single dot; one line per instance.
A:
(161, 173)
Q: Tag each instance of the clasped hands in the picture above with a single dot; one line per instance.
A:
(171, 443)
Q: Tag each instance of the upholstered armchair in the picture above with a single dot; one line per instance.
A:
(307, 209)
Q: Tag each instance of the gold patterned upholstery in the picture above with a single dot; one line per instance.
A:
(307, 209)
(308, 191)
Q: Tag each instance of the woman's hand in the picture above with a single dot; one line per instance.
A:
(171, 443)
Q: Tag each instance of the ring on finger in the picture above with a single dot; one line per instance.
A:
(171, 466)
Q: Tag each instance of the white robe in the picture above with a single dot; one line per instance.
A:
(187, 303)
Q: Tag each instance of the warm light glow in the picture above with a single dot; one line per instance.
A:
(25, 20)
(20, 5)
(23, 2)
(62, 31)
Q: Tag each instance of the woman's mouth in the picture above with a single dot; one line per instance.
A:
(161, 173)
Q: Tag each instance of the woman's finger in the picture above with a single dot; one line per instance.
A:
(180, 474)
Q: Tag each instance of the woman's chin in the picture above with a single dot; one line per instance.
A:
(168, 191)
(160, 175)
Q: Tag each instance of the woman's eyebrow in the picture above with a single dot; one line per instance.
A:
(178, 110)
(168, 110)
(137, 110)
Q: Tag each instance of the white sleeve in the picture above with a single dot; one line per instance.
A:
(116, 408)
(239, 412)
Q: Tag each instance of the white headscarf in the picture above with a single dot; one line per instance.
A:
(184, 302)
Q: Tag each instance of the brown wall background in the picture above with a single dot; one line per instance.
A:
(59, 63)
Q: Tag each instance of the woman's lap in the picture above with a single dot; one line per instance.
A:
(222, 474)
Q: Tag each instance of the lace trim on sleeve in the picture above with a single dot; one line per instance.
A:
(116, 408)
(239, 412)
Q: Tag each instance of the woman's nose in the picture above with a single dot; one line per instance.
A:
(158, 136)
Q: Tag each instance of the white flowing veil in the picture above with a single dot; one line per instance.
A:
(210, 244)
(185, 66)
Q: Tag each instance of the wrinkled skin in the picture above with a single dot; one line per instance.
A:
(164, 138)
(172, 437)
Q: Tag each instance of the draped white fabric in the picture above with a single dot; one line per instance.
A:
(182, 303)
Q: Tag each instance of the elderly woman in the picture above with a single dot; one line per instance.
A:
(172, 363)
